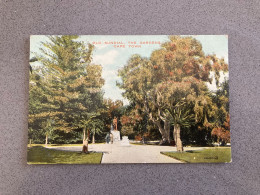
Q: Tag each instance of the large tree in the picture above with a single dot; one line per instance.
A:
(170, 86)
(70, 84)
(42, 110)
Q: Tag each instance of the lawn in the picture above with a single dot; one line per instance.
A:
(208, 155)
(59, 145)
(41, 155)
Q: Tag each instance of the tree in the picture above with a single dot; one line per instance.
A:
(221, 124)
(137, 81)
(40, 107)
(176, 73)
(112, 109)
(129, 121)
(48, 126)
(181, 116)
(96, 128)
(68, 83)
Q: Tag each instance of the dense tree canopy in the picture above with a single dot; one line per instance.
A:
(168, 95)
(65, 87)
(170, 86)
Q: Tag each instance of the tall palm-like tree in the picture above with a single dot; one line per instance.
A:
(180, 117)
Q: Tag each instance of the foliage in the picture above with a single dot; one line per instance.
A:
(130, 121)
(221, 125)
(65, 87)
(181, 114)
(113, 109)
(175, 74)
(167, 94)
(96, 127)
(222, 133)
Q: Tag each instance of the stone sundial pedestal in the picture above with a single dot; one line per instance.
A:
(125, 141)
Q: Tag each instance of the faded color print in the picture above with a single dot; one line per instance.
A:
(128, 99)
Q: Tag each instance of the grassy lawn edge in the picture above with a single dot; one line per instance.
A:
(181, 160)
(39, 155)
(207, 155)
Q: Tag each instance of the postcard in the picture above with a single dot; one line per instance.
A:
(98, 99)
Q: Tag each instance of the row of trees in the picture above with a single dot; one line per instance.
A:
(169, 89)
(167, 93)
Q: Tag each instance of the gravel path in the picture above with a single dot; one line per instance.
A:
(115, 153)
(137, 154)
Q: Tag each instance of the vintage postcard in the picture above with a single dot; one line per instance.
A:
(128, 99)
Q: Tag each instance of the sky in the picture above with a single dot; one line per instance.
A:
(113, 57)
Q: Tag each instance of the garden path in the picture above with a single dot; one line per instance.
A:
(116, 153)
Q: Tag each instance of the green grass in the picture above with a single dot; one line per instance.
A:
(41, 155)
(59, 145)
(209, 155)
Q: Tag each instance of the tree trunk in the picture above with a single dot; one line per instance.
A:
(167, 131)
(175, 134)
(166, 127)
(93, 138)
(85, 146)
(162, 131)
(177, 137)
(46, 140)
(84, 134)
(156, 122)
(85, 142)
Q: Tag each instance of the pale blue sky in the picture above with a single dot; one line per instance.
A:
(112, 58)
